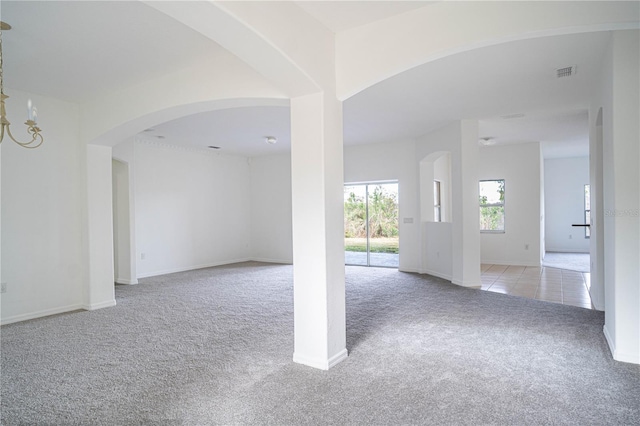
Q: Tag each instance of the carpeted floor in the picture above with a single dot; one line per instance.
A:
(214, 346)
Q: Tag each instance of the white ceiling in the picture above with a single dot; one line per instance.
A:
(240, 131)
(79, 50)
(89, 48)
(344, 15)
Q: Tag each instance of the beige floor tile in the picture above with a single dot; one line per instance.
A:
(575, 291)
(546, 284)
(566, 299)
(532, 285)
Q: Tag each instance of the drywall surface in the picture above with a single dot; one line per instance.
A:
(192, 209)
(621, 154)
(42, 213)
(271, 237)
(519, 166)
(565, 179)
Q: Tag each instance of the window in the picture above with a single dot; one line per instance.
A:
(492, 205)
(587, 210)
(437, 202)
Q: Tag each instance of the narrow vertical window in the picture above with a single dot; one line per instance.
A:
(587, 210)
(492, 205)
(437, 202)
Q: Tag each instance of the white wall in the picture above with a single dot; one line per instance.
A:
(125, 241)
(99, 291)
(519, 166)
(271, 238)
(123, 255)
(564, 204)
(42, 213)
(192, 209)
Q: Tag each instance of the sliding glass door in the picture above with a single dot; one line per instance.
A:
(371, 224)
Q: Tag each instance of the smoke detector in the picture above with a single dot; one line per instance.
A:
(271, 140)
(487, 141)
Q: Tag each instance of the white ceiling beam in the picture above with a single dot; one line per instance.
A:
(279, 40)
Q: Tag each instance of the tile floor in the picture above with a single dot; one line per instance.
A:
(542, 283)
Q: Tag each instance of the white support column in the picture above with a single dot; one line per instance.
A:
(100, 292)
(466, 238)
(318, 247)
(622, 200)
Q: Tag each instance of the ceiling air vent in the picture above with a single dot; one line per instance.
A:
(566, 71)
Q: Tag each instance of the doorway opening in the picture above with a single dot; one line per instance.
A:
(371, 235)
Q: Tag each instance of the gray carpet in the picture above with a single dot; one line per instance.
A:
(572, 261)
(214, 346)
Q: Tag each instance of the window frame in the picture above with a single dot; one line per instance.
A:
(499, 204)
(437, 201)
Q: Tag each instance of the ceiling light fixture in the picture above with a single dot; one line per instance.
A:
(271, 140)
(32, 112)
(487, 141)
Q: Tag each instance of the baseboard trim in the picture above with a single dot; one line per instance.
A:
(127, 282)
(555, 250)
(436, 274)
(40, 314)
(617, 355)
(510, 263)
(278, 261)
(100, 305)
(321, 364)
(192, 268)
(467, 285)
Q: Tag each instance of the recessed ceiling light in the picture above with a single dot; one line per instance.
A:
(271, 140)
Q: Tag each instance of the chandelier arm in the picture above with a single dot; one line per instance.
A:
(2, 134)
(36, 136)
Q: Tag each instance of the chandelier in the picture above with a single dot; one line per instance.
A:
(32, 112)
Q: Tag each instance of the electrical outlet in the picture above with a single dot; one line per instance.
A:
(3, 288)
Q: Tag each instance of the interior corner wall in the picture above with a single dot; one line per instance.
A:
(271, 211)
(564, 204)
(192, 209)
(519, 166)
(543, 218)
(393, 161)
(42, 203)
(621, 176)
(125, 242)
(436, 245)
